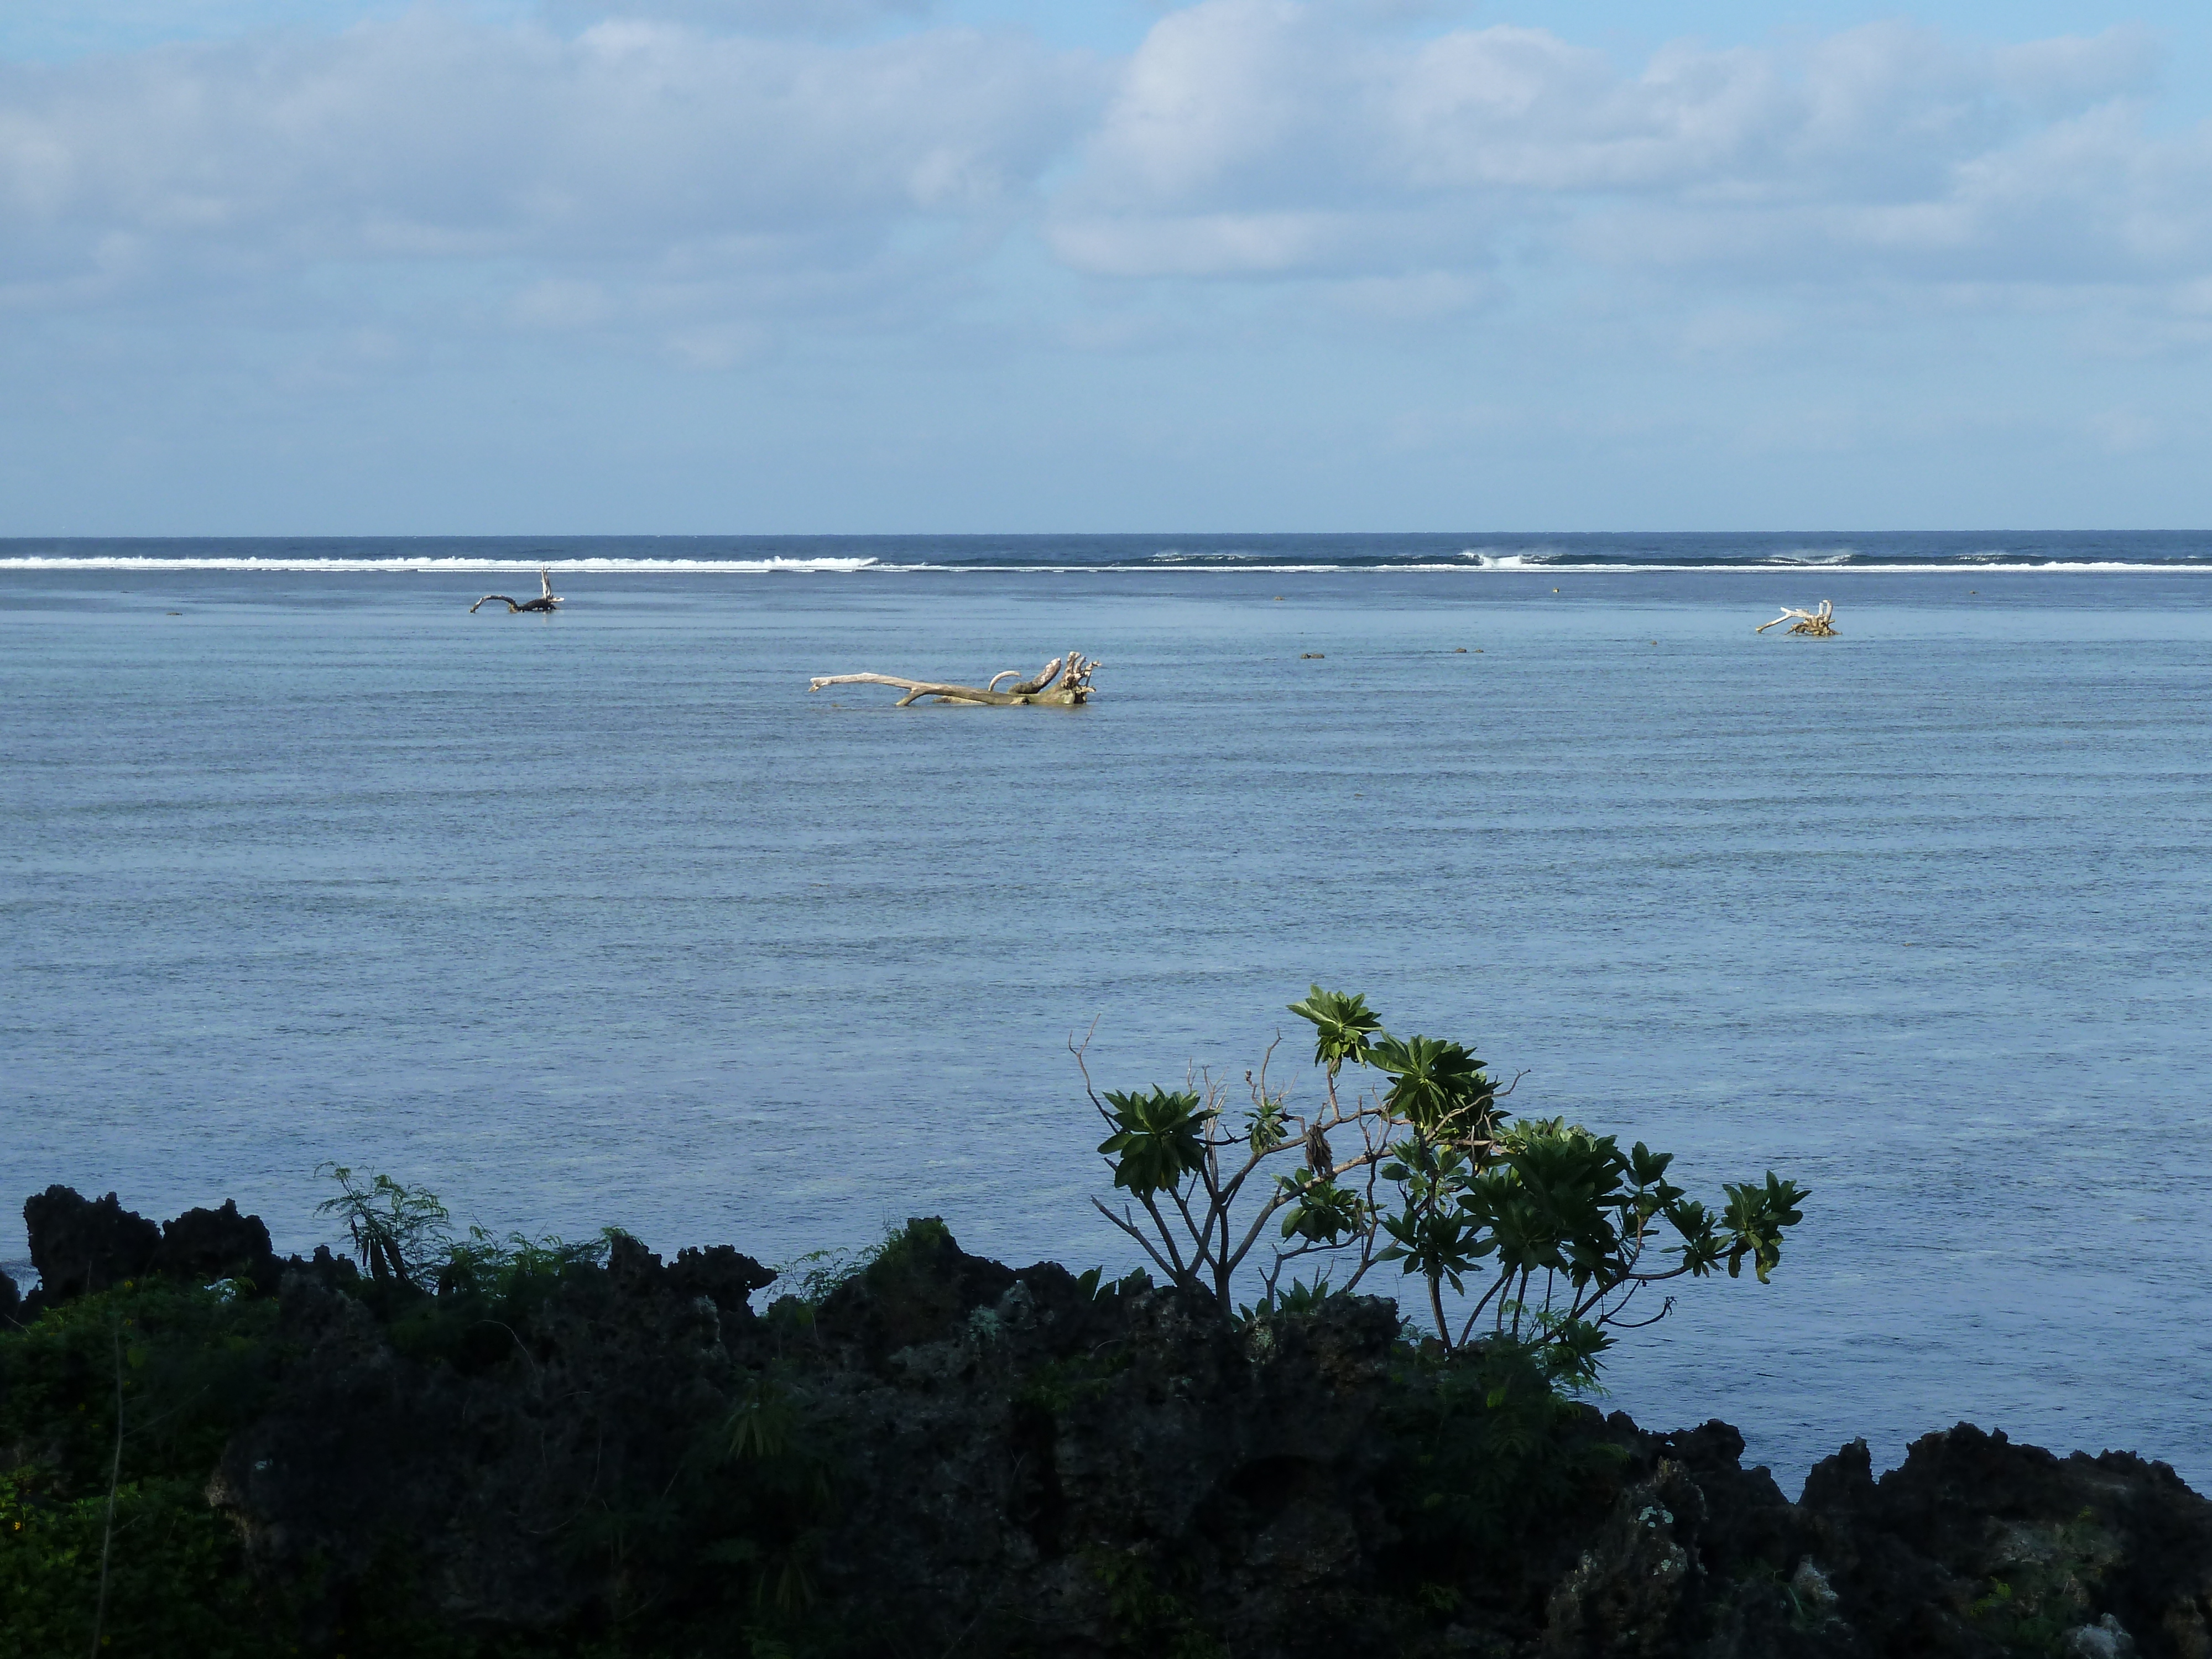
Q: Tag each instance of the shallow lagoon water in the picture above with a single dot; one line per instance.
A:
(603, 919)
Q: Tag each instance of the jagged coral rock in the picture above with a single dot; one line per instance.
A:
(1975, 1544)
(948, 1455)
(1637, 1586)
(79, 1245)
(202, 1245)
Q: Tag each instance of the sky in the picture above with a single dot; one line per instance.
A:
(292, 267)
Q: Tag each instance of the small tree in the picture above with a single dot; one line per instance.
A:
(1173, 1152)
(397, 1231)
(1543, 1232)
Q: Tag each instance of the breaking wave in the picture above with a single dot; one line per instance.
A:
(1193, 557)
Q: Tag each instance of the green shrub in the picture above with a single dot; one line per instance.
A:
(1487, 1456)
(195, 1365)
(1529, 1235)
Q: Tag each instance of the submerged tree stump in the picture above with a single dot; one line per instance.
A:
(1063, 681)
(547, 599)
(1813, 624)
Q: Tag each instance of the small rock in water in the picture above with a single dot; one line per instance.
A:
(1311, 656)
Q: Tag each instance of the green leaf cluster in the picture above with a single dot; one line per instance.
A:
(1437, 1086)
(1565, 1220)
(1343, 1025)
(486, 1290)
(399, 1232)
(1542, 1231)
(1158, 1140)
(1318, 1210)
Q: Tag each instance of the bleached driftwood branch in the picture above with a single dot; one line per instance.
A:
(546, 599)
(1022, 688)
(1065, 681)
(1816, 624)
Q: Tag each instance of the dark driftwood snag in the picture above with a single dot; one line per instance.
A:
(547, 599)
(1063, 681)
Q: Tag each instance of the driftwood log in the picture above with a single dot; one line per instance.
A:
(1813, 624)
(546, 599)
(1063, 681)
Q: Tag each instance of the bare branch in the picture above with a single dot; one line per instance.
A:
(545, 601)
(1079, 1051)
(1073, 686)
(1813, 624)
(1181, 1272)
(1143, 1244)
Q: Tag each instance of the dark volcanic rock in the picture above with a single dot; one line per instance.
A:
(1973, 1547)
(1006, 1464)
(1977, 1546)
(497, 1448)
(722, 1276)
(204, 1245)
(80, 1245)
(333, 1273)
(1639, 1586)
(1050, 1457)
(948, 1455)
(1012, 1457)
(917, 1290)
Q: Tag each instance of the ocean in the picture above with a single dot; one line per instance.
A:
(601, 918)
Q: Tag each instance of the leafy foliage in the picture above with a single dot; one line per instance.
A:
(196, 1366)
(178, 1586)
(1343, 1025)
(1146, 1611)
(1158, 1140)
(397, 1231)
(1487, 1457)
(486, 1291)
(481, 1265)
(1435, 1086)
(730, 1537)
(1541, 1233)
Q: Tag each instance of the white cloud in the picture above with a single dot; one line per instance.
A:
(1273, 136)
(635, 143)
(677, 178)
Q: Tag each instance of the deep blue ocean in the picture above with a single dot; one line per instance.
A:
(601, 918)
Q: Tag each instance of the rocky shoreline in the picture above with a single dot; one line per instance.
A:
(588, 1452)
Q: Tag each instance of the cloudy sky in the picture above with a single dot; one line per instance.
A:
(330, 266)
